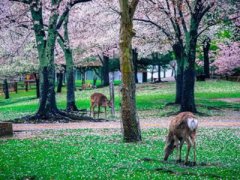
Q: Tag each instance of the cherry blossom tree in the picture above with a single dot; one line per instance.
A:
(227, 61)
(48, 15)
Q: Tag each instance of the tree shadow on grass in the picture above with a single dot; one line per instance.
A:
(181, 165)
(17, 100)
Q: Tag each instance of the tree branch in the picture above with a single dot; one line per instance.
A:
(67, 9)
(158, 26)
(179, 5)
(132, 7)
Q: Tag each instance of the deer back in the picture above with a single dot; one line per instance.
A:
(184, 124)
(99, 99)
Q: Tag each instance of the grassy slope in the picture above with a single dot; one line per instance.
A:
(148, 97)
(83, 155)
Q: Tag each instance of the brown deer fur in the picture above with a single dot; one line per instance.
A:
(98, 99)
(182, 129)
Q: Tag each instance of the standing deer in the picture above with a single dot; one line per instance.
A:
(98, 99)
(182, 129)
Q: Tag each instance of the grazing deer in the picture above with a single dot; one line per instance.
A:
(98, 99)
(182, 128)
(86, 86)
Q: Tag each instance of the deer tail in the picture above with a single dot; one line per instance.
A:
(169, 147)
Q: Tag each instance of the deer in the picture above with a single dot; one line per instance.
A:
(99, 99)
(182, 129)
(86, 86)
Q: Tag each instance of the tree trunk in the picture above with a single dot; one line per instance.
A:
(135, 57)
(188, 101)
(206, 48)
(60, 82)
(16, 87)
(83, 71)
(131, 127)
(144, 76)
(105, 71)
(37, 85)
(159, 73)
(5, 89)
(45, 46)
(111, 90)
(71, 104)
(26, 85)
(48, 107)
(178, 50)
(152, 74)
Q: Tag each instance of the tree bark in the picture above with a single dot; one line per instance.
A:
(131, 127)
(37, 85)
(71, 103)
(60, 82)
(206, 48)
(83, 71)
(152, 80)
(105, 71)
(16, 87)
(135, 57)
(111, 90)
(6, 89)
(179, 51)
(159, 73)
(48, 107)
(144, 76)
(188, 101)
(26, 85)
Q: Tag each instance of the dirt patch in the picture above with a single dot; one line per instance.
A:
(230, 100)
(224, 119)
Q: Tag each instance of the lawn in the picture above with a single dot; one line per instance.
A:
(86, 154)
(149, 97)
(101, 154)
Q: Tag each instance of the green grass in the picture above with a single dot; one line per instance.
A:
(149, 97)
(85, 154)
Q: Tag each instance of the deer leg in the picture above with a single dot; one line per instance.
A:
(194, 153)
(90, 110)
(188, 150)
(98, 111)
(180, 151)
(105, 111)
(93, 108)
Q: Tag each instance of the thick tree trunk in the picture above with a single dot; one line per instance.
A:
(48, 107)
(37, 85)
(71, 104)
(5, 89)
(131, 127)
(60, 82)
(188, 101)
(206, 48)
(135, 57)
(178, 50)
(105, 71)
